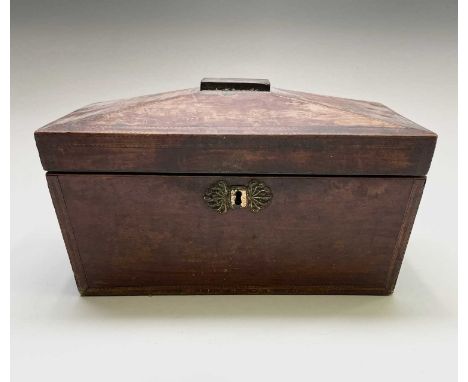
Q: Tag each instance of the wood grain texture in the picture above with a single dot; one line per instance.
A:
(276, 132)
(236, 112)
(154, 234)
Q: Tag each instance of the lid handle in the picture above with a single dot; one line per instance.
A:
(229, 84)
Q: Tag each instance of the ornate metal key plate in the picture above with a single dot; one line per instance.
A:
(221, 197)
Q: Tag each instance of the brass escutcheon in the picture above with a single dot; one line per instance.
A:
(221, 197)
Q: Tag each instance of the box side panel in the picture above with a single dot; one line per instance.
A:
(58, 200)
(154, 234)
(405, 231)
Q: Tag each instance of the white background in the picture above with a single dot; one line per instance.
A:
(68, 54)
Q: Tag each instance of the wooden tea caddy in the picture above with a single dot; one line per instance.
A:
(235, 187)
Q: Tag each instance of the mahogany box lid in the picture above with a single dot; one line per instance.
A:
(237, 126)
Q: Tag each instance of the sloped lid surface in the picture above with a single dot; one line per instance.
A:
(237, 131)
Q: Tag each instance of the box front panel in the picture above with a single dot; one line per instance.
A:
(155, 234)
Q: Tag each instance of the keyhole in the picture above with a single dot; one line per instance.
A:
(238, 200)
